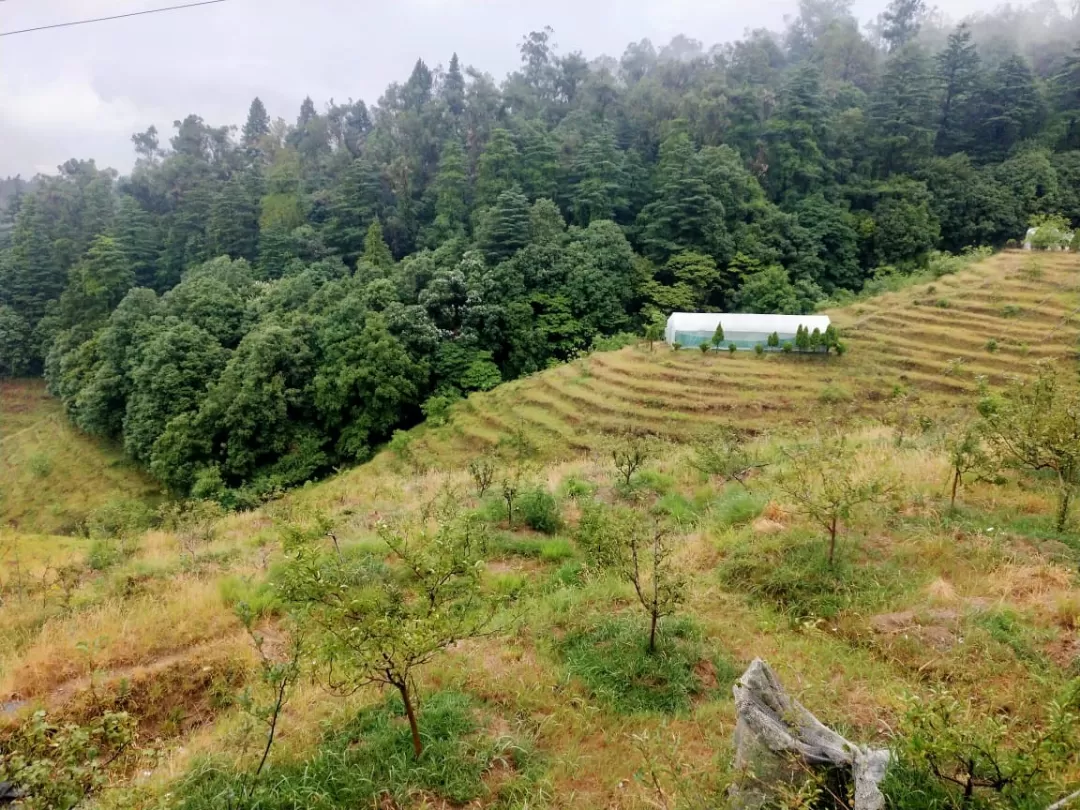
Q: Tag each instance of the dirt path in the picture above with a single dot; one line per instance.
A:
(65, 691)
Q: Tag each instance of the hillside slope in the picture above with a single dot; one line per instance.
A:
(562, 708)
(932, 341)
(51, 474)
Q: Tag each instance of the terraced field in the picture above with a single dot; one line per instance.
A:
(933, 341)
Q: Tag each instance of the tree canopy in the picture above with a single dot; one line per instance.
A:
(251, 306)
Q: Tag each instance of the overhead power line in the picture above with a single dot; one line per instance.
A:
(106, 19)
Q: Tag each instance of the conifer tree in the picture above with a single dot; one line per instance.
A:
(258, 123)
(718, 336)
(376, 251)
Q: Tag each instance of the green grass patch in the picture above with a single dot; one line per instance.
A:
(369, 763)
(548, 549)
(612, 659)
(793, 575)
(737, 506)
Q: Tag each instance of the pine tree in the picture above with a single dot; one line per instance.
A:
(453, 88)
(773, 341)
(376, 251)
(505, 228)
(958, 76)
(599, 181)
(258, 123)
(718, 336)
(684, 215)
(451, 186)
(1011, 109)
(355, 202)
(33, 276)
(900, 22)
(539, 162)
(1067, 89)
(497, 169)
(902, 111)
(97, 284)
(233, 229)
(796, 136)
(136, 235)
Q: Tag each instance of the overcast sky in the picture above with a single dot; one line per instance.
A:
(81, 92)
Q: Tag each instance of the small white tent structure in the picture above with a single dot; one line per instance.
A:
(744, 330)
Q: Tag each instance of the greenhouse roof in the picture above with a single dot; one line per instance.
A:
(744, 322)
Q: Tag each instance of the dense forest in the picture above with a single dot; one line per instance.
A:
(252, 306)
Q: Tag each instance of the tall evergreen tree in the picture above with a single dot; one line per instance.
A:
(233, 229)
(497, 170)
(376, 251)
(958, 76)
(453, 88)
(505, 227)
(598, 190)
(258, 123)
(451, 186)
(136, 235)
(1011, 109)
(902, 112)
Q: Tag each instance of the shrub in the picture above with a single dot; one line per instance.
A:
(120, 517)
(612, 659)
(57, 766)
(797, 579)
(704, 347)
(540, 511)
(577, 488)
(737, 507)
(368, 763)
(759, 349)
(436, 408)
(105, 552)
(834, 394)
(40, 465)
(992, 345)
(732, 348)
(600, 533)
(787, 348)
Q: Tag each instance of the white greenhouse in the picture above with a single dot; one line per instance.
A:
(744, 330)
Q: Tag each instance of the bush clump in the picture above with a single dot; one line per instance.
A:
(367, 763)
(612, 659)
(540, 511)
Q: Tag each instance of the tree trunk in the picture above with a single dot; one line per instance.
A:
(418, 747)
(832, 541)
(1064, 501)
(955, 484)
(652, 634)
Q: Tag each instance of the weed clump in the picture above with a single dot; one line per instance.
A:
(612, 659)
(369, 762)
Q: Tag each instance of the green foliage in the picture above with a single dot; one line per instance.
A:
(58, 765)
(601, 533)
(614, 662)
(736, 507)
(952, 753)
(368, 760)
(378, 624)
(792, 575)
(827, 486)
(255, 307)
(1034, 425)
(540, 511)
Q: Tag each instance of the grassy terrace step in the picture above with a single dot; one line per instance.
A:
(931, 334)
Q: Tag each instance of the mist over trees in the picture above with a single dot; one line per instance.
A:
(256, 304)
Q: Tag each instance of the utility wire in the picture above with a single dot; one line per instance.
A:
(106, 19)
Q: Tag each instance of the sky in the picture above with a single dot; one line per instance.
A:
(83, 91)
